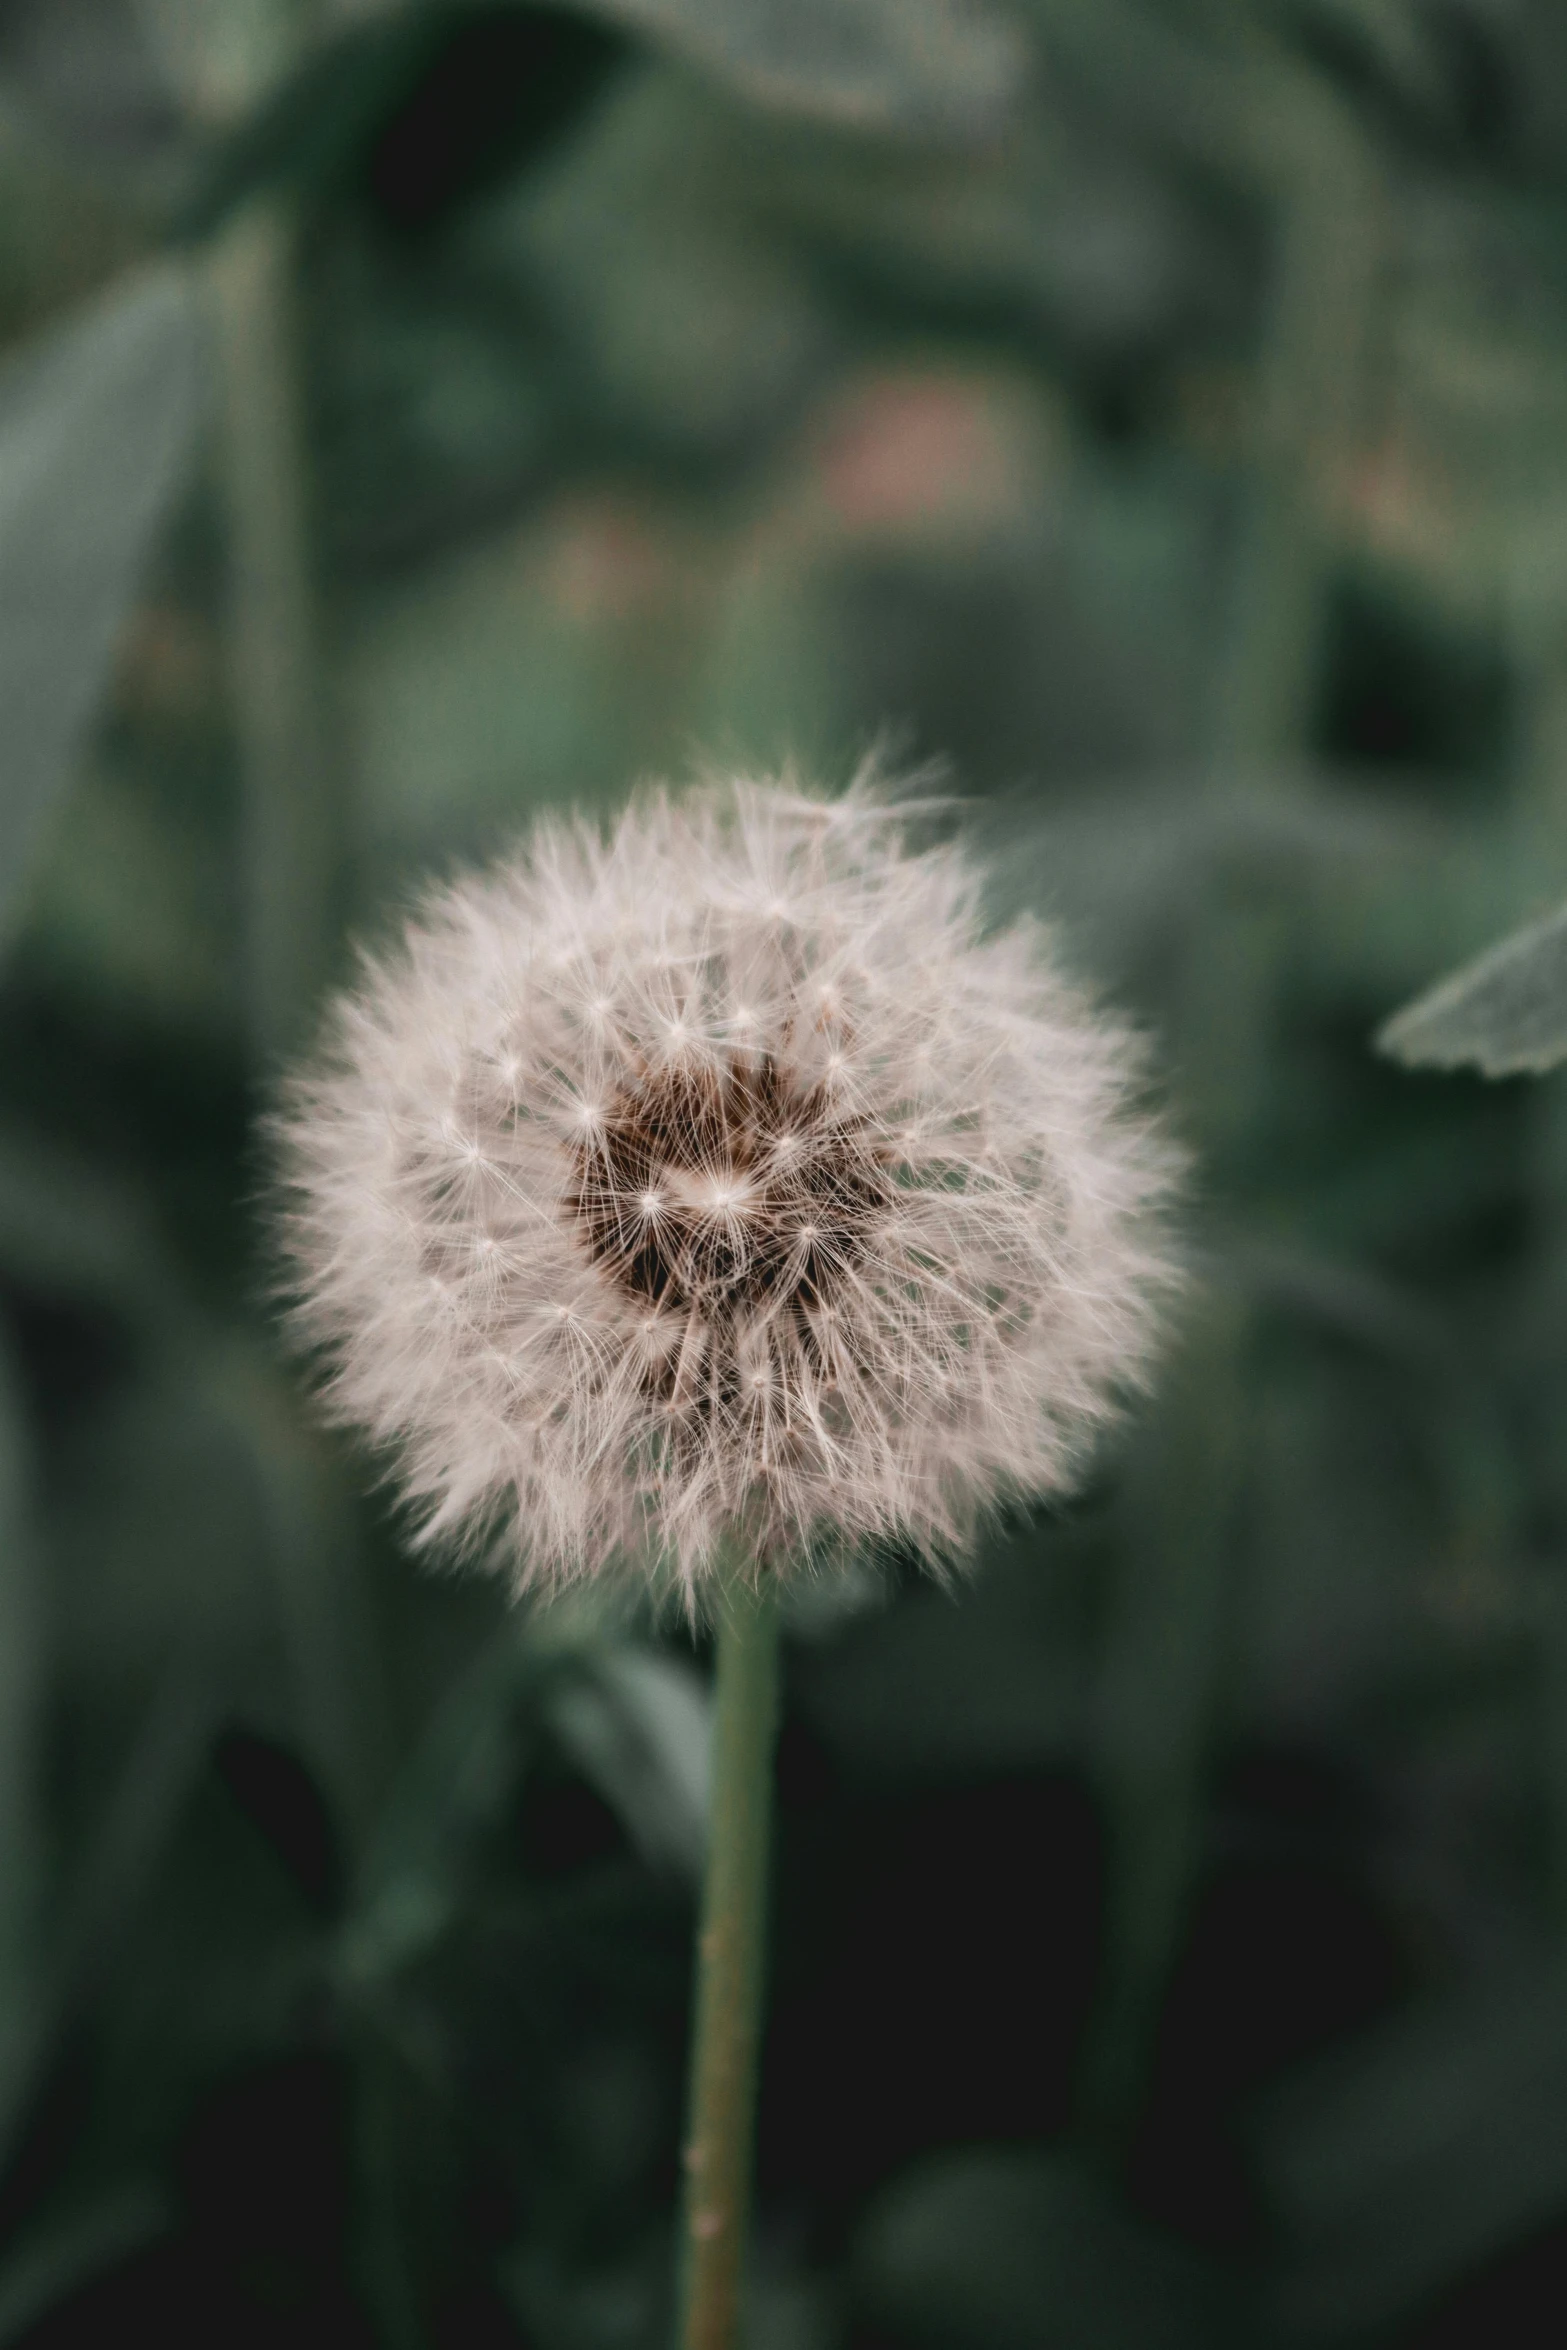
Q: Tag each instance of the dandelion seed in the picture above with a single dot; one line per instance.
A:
(891, 1253)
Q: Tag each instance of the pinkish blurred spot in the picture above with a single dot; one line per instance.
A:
(909, 449)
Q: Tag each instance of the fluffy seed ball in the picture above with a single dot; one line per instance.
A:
(721, 1182)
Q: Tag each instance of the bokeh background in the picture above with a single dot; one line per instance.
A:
(416, 414)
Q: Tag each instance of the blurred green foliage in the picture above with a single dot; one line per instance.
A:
(417, 414)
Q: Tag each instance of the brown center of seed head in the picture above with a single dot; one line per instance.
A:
(728, 1192)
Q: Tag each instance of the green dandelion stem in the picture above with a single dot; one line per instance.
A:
(729, 1974)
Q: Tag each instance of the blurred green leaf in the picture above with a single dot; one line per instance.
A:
(1002, 2249)
(57, 2259)
(1388, 49)
(1504, 1014)
(684, 326)
(1404, 2163)
(89, 70)
(633, 1721)
(927, 68)
(319, 126)
(939, 68)
(311, 1547)
(449, 1792)
(200, 1487)
(636, 1725)
(112, 1873)
(1126, 869)
(97, 428)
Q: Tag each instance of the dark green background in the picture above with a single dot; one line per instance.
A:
(1157, 408)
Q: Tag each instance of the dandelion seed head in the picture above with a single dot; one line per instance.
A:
(718, 1178)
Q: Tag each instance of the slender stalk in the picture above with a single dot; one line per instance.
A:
(223, 61)
(1539, 636)
(729, 1977)
(1310, 396)
(1166, 1650)
(293, 818)
(23, 1689)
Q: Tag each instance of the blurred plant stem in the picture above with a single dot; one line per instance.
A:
(1165, 1653)
(1308, 402)
(20, 1711)
(1539, 630)
(222, 60)
(1309, 391)
(1159, 1689)
(730, 1973)
(293, 820)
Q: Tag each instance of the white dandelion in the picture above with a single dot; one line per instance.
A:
(717, 1186)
